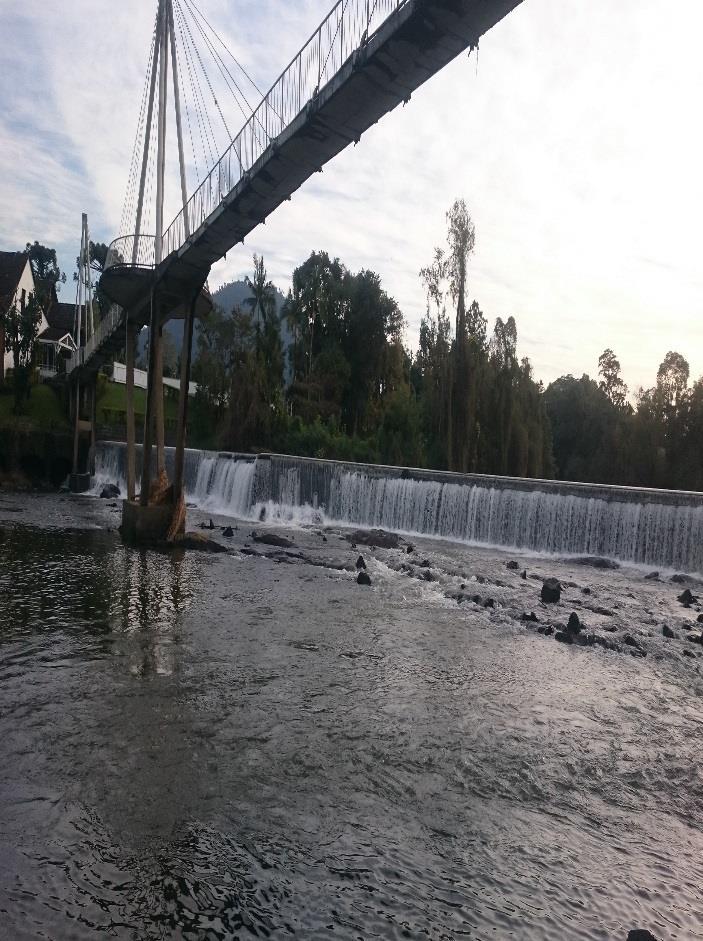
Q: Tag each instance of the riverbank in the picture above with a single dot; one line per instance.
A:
(255, 739)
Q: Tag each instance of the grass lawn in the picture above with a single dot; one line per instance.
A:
(43, 409)
(114, 399)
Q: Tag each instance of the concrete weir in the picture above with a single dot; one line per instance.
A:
(658, 528)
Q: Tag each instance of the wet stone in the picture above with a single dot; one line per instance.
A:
(363, 578)
(551, 590)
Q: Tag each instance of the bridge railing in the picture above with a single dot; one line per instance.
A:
(346, 29)
(112, 321)
(131, 250)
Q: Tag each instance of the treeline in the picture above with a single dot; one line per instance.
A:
(463, 402)
(598, 435)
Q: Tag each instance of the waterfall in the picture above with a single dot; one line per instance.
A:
(651, 527)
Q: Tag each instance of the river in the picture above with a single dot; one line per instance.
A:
(253, 745)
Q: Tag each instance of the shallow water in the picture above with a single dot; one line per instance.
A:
(227, 746)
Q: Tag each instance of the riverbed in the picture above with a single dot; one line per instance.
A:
(251, 744)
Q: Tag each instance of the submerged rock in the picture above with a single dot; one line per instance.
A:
(652, 575)
(688, 653)
(489, 603)
(641, 934)
(196, 541)
(667, 632)
(631, 641)
(363, 578)
(551, 590)
(110, 491)
(512, 565)
(271, 539)
(531, 618)
(679, 579)
(564, 637)
(228, 532)
(597, 562)
(375, 537)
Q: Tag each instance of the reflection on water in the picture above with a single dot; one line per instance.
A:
(219, 747)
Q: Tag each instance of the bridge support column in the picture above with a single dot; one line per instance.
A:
(93, 422)
(186, 355)
(76, 422)
(159, 404)
(129, 395)
(148, 414)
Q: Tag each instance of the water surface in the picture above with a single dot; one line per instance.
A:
(227, 746)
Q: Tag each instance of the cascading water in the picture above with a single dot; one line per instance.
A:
(658, 528)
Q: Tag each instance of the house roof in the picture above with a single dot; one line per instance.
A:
(11, 267)
(60, 317)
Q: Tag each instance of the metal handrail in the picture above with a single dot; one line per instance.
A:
(347, 28)
(139, 250)
(112, 321)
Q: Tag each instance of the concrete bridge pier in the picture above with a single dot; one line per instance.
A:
(84, 400)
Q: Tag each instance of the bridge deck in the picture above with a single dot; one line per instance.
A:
(414, 41)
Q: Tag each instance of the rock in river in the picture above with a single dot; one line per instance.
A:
(360, 564)
(641, 934)
(110, 491)
(363, 578)
(551, 590)
(687, 597)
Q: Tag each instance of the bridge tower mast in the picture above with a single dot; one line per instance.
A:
(164, 44)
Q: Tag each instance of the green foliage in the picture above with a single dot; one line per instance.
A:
(599, 437)
(44, 409)
(45, 268)
(21, 322)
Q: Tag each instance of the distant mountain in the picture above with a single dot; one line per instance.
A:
(226, 298)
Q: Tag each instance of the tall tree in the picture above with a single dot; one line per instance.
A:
(611, 383)
(21, 322)
(46, 271)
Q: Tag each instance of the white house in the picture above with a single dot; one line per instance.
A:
(55, 338)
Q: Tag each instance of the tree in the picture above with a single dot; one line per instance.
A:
(262, 301)
(672, 380)
(461, 238)
(21, 324)
(611, 383)
(46, 271)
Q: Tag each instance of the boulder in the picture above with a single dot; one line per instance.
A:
(548, 629)
(652, 575)
(523, 575)
(410, 549)
(641, 934)
(531, 618)
(695, 638)
(687, 598)
(363, 578)
(667, 632)
(679, 579)
(228, 532)
(630, 641)
(585, 591)
(512, 565)
(564, 637)
(360, 564)
(489, 603)
(688, 653)
(110, 491)
(551, 590)
(574, 625)
(597, 562)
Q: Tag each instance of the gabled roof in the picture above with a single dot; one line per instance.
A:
(12, 265)
(61, 317)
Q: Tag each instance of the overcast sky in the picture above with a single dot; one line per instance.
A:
(575, 138)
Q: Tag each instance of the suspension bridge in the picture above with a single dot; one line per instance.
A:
(365, 58)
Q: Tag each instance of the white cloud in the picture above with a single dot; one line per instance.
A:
(575, 141)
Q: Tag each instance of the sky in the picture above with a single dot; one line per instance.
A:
(574, 136)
